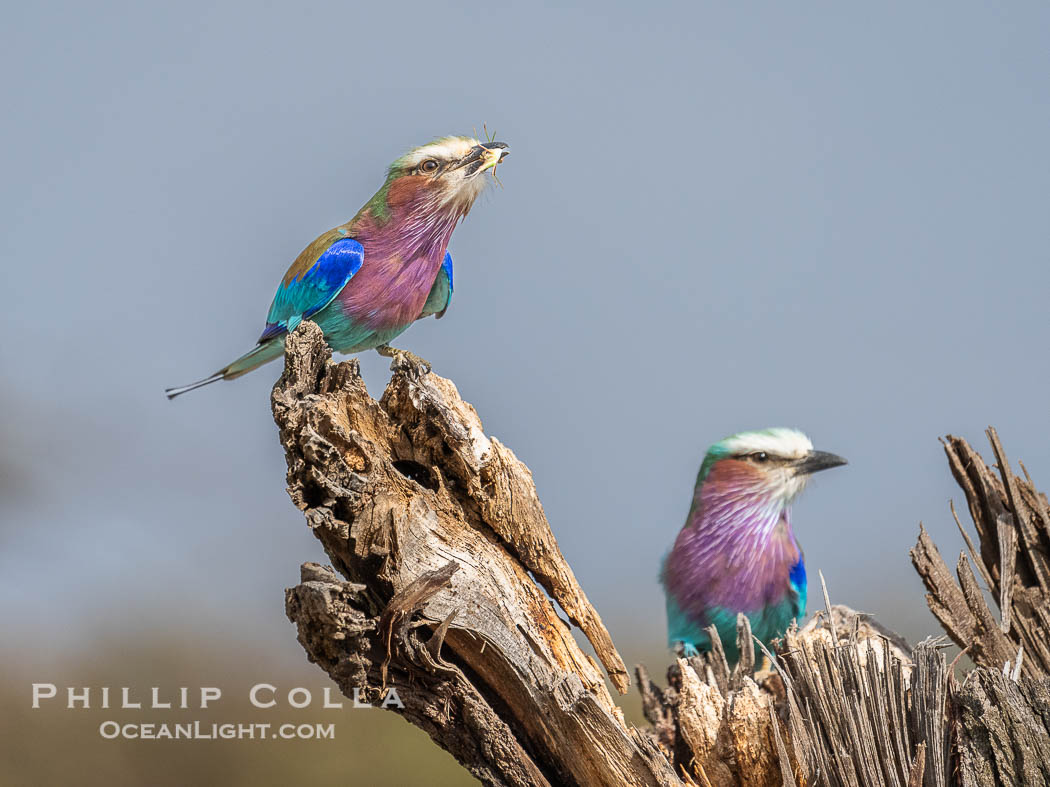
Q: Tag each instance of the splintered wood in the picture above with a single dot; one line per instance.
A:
(1001, 711)
(840, 710)
(1012, 521)
(450, 560)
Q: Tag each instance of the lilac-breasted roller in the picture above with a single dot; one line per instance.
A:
(737, 552)
(365, 281)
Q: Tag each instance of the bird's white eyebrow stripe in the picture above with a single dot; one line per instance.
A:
(445, 149)
(786, 443)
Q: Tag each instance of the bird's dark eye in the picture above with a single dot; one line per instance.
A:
(760, 456)
(430, 165)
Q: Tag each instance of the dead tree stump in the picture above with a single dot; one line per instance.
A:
(450, 560)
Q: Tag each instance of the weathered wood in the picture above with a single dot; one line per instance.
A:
(945, 599)
(339, 633)
(855, 685)
(1001, 712)
(441, 530)
(930, 711)
(1004, 730)
(836, 712)
(1013, 530)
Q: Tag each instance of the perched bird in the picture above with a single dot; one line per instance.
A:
(737, 552)
(365, 281)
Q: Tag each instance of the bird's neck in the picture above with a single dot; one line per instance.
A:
(741, 522)
(411, 224)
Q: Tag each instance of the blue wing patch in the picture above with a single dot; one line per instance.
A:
(797, 577)
(301, 297)
(441, 292)
(446, 266)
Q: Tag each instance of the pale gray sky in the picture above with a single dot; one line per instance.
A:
(715, 218)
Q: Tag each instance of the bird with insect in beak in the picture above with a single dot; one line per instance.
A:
(365, 281)
(737, 552)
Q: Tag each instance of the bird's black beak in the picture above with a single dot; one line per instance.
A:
(482, 157)
(815, 461)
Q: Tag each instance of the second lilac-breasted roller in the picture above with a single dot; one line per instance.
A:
(365, 281)
(737, 551)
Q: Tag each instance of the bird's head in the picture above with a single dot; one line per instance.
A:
(774, 463)
(447, 173)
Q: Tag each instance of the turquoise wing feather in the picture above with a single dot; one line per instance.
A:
(301, 295)
(441, 293)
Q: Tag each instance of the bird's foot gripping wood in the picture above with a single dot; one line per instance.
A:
(404, 358)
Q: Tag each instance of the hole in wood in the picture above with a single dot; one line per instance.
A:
(414, 471)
